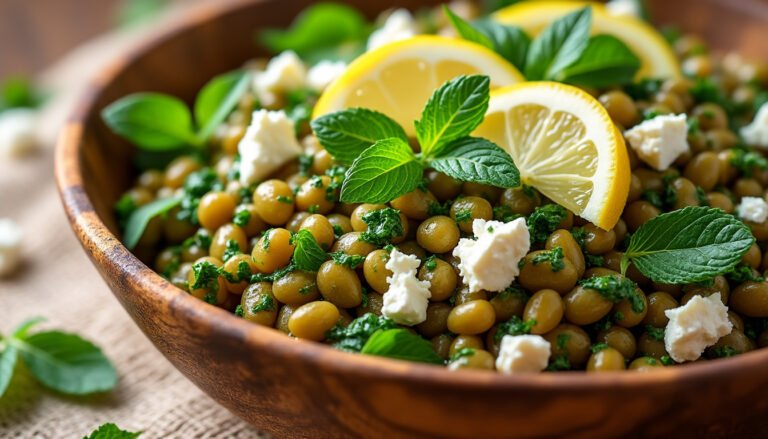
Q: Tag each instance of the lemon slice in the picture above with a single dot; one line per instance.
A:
(564, 144)
(397, 79)
(657, 57)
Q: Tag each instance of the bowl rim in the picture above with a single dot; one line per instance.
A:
(105, 249)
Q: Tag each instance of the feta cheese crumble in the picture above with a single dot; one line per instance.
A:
(753, 209)
(756, 133)
(693, 327)
(323, 73)
(10, 246)
(407, 298)
(18, 132)
(400, 25)
(626, 8)
(660, 141)
(268, 143)
(491, 261)
(285, 72)
(522, 354)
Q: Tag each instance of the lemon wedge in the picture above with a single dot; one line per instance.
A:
(397, 79)
(657, 57)
(564, 144)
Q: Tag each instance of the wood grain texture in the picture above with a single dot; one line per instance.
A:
(294, 388)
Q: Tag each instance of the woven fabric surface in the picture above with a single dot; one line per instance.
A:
(58, 282)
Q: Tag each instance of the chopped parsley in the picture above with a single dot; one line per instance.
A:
(313, 209)
(316, 182)
(544, 220)
(666, 360)
(594, 261)
(513, 290)
(561, 361)
(643, 89)
(616, 289)
(265, 303)
(514, 326)
(306, 289)
(747, 161)
(652, 197)
(655, 333)
(351, 261)
(244, 273)
(285, 199)
(554, 257)
(436, 209)
(743, 273)
(305, 163)
(206, 276)
(211, 298)
(232, 249)
(430, 264)
(463, 216)
(462, 353)
(383, 226)
(337, 230)
(265, 239)
(352, 338)
(242, 216)
(597, 347)
(504, 214)
(196, 185)
(239, 311)
(580, 236)
(271, 277)
(202, 238)
(722, 352)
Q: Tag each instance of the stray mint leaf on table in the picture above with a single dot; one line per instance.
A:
(401, 345)
(559, 46)
(112, 431)
(8, 358)
(453, 111)
(688, 245)
(347, 133)
(383, 172)
(477, 160)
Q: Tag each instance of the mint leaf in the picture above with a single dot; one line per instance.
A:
(353, 337)
(319, 28)
(140, 217)
(559, 45)
(688, 245)
(67, 363)
(606, 61)
(401, 345)
(510, 42)
(347, 133)
(477, 160)
(18, 92)
(217, 99)
(453, 111)
(8, 357)
(152, 121)
(21, 331)
(307, 255)
(383, 172)
(112, 431)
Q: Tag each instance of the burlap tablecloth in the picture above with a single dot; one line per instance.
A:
(58, 282)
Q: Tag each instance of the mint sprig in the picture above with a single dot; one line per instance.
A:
(401, 345)
(688, 245)
(139, 219)
(606, 61)
(385, 168)
(307, 254)
(559, 45)
(61, 361)
(157, 122)
(112, 431)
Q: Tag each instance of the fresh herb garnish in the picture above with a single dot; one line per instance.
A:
(384, 165)
(743, 273)
(688, 245)
(655, 333)
(431, 263)
(112, 431)
(139, 218)
(242, 216)
(554, 256)
(206, 276)
(158, 122)
(722, 352)
(351, 261)
(265, 303)
(61, 361)
(231, 249)
(597, 347)
(307, 255)
(462, 353)
(463, 216)
(353, 337)
(514, 326)
(746, 161)
(383, 226)
(615, 289)
(196, 186)
(402, 345)
(544, 220)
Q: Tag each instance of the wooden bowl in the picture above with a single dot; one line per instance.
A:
(294, 388)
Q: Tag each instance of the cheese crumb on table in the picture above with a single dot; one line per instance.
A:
(10, 246)
(323, 73)
(400, 25)
(626, 8)
(756, 133)
(660, 141)
(522, 354)
(406, 300)
(283, 73)
(18, 132)
(693, 327)
(491, 261)
(268, 143)
(753, 209)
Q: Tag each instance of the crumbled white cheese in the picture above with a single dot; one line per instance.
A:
(522, 354)
(753, 209)
(627, 8)
(695, 326)
(268, 143)
(18, 132)
(283, 73)
(660, 141)
(323, 73)
(756, 133)
(10, 246)
(400, 25)
(407, 298)
(489, 262)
